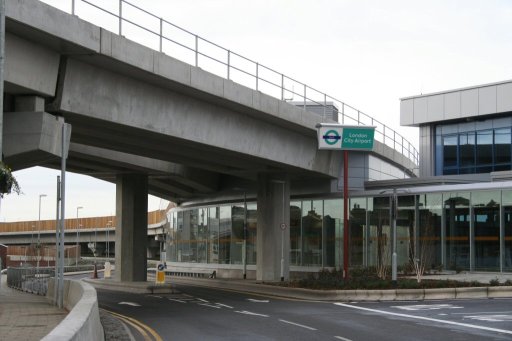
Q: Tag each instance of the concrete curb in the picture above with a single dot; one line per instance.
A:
(83, 321)
(353, 295)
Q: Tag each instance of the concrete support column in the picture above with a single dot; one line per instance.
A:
(132, 227)
(273, 243)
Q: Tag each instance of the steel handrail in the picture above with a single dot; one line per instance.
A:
(384, 134)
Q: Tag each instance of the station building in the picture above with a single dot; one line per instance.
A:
(456, 214)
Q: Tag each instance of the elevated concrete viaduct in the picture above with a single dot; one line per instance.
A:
(153, 124)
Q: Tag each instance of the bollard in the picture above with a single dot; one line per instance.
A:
(108, 270)
(95, 273)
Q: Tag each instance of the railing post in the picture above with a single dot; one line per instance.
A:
(282, 87)
(394, 140)
(229, 57)
(358, 118)
(304, 96)
(325, 106)
(402, 145)
(343, 113)
(257, 76)
(197, 50)
(384, 133)
(161, 33)
(120, 17)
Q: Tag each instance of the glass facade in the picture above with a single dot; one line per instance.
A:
(474, 147)
(459, 230)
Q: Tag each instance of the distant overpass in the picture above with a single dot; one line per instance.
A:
(96, 230)
(154, 124)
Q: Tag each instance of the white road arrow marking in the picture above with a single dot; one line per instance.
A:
(490, 318)
(257, 301)
(130, 303)
(419, 307)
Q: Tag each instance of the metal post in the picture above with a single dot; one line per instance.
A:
(304, 96)
(39, 219)
(244, 254)
(161, 33)
(345, 215)
(58, 255)
(120, 17)
(197, 51)
(282, 87)
(257, 76)
(394, 211)
(282, 239)
(62, 214)
(325, 107)
(73, 7)
(229, 57)
(77, 235)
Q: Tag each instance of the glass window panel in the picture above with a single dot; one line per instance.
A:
(405, 229)
(502, 150)
(456, 206)
(312, 212)
(486, 216)
(237, 233)
(295, 233)
(333, 234)
(507, 223)
(484, 148)
(450, 150)
(214, 225)
(252, 225)
(379, 243)
(357, 231)
(429, 234)
(467, 149)
(202, 235)
(225, 235)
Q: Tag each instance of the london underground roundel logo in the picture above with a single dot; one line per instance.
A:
(331, 137)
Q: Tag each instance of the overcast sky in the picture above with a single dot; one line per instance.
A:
(365, 53)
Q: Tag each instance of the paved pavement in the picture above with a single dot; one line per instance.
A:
(25, 316)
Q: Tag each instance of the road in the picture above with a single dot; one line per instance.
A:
(196, 313)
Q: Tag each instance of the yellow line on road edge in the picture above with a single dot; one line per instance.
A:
(141, 327)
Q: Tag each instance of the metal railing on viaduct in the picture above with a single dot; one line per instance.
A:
(125, 18)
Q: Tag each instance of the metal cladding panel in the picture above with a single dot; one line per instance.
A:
(504, 97)
(487, 100)
(435, 108)
(452, 105)
(469, 103)
(420, 109)
(407, 112)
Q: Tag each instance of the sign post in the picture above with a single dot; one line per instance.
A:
(160, 274)
(345, 138)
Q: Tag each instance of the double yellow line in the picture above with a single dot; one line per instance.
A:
(148, 333)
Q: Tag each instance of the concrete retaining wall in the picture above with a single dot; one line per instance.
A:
(83, 320)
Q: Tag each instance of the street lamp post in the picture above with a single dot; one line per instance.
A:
(394, 212)
(39, 230)
(109, 225)
(77, 234)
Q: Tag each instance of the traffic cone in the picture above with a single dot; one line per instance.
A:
(95, 273)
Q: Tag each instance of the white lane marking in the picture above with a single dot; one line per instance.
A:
(442, 314)
(257, 301)
(245, 312)
(130, 303)
(224, 305)
(426, 307)
(297, 324)
(200, 299)
(154, 296)
(427, 319)
(176, 300)
(342, 338)
(484, 313)
(490, 318)
(209, 305)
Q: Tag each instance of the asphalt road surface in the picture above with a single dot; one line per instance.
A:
(196, 313)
